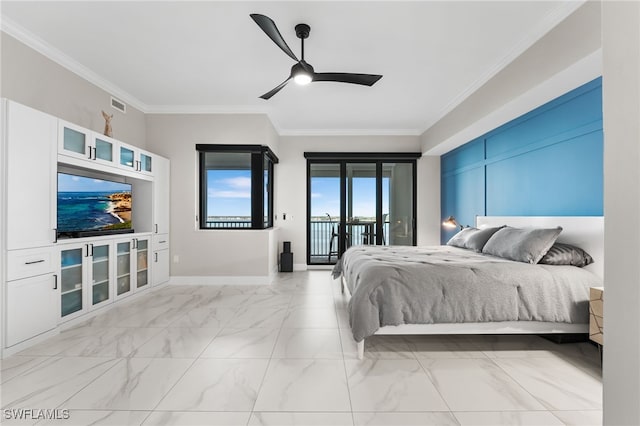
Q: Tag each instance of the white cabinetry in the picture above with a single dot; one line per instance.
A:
(80, 143)
(73, 287)
(86, 276)
(132, 265)
(161, 205)
(45, 282)
(160, 259)
(31, 308)
(31, 177)
(95, 272)
(85, 148)
(29, 201)
(134, 159)
(161, 197)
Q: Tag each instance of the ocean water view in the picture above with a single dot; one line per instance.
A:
(89, 211)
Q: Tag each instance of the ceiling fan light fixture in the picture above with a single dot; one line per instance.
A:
(302, 78)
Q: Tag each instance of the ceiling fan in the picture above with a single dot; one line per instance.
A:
(302, 72)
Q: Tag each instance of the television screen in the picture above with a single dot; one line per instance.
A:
(89, 206)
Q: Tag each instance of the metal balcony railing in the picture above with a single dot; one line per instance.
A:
(357, 234)
(320, 235)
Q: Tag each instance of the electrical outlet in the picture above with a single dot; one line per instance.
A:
(176, 258)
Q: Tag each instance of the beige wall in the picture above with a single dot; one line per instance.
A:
(574, 39)
(200, 252)
(32, 79)
(621, 102)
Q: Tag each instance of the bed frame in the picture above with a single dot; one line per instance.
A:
(586, 232)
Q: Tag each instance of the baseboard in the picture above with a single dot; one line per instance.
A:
(300, 267)
(221, 280)
(18, 347)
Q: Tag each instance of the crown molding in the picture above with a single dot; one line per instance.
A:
(550, 21)
(207, 109)
(47, 50)
(350, 132)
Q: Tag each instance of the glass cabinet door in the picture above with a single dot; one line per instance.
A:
(126, 157)
(142, 258)
(71, 280)
(145, 163)
(123, 274)
(100, 274)
(74, 141)
(104, 150)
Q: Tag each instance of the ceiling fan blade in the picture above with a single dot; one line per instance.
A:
(270, 29)
(343, 77)
(275, 90)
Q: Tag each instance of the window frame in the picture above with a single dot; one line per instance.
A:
(259, 155)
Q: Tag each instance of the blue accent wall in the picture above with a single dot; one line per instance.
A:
(547, 162)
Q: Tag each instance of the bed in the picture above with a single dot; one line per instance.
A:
(450, 290)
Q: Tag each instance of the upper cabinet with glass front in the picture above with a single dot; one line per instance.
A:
(135, 159)
(78, 142)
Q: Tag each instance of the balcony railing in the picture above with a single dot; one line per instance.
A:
(320, 235)
(357, 234)
(228, 224)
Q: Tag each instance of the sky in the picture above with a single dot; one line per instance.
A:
(228, 193)
(325, 196)
(73, 183)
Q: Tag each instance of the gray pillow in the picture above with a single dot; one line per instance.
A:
(522, 245)
(566, 254)
(473, 238)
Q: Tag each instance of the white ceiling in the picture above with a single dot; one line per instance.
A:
(203, 56)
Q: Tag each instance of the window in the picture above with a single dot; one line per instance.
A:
(236, 186)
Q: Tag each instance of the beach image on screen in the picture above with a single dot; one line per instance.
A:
(89, 204)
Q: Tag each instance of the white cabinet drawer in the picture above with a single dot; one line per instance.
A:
(160, 242)
(29, 262)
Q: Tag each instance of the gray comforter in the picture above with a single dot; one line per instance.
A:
(442, 284)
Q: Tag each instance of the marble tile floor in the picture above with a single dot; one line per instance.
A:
(283, 355)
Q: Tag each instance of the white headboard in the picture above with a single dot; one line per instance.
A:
(586, 232)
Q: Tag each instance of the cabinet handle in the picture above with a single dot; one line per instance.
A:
(156, 257)
(91, 250)
(34, 261)
(86, 247)
(90, 154)
(162, 242)
(55, 281)
(55, 235)
(156, 228)
(135, 243)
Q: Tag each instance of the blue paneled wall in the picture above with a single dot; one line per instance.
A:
(547, 162)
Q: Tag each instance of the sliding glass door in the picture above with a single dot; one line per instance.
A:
(362, 204)
(358, 201)
(398, 201)
(324, 224)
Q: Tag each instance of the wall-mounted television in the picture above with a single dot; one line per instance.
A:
(89, 206)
